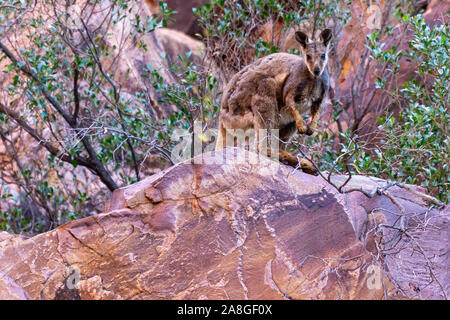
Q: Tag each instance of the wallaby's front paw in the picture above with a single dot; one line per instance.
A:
(303, 130)
(290, 162)
(311, 171)
(308, 167)
(306, 130)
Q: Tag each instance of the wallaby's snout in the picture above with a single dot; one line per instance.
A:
(315, 52)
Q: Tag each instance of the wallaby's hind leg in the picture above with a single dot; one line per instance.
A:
(265, 105)
(221, 137)
(264, 108)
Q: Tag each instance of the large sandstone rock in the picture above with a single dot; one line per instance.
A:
(236, 231)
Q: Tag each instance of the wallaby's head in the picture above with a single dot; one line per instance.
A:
(315, 52)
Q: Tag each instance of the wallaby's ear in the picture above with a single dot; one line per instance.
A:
(301, 37)
(326, 35)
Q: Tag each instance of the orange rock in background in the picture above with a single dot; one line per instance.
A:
(184, 18)
(350, 49)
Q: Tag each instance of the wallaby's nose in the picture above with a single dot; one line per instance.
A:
(316, 71)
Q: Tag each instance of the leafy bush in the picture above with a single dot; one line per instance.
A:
(196, 96)
(60, 89)
(415, 148)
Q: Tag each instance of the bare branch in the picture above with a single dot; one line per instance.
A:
(97, 166)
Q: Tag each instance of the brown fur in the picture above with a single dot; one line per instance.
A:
(274, 91)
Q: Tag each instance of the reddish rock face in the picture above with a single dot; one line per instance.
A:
(184, 18)
(349, 70)
(236, 231)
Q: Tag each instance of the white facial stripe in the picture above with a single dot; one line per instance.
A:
(325, 63)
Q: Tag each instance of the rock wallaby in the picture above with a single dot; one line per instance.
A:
(274, 92)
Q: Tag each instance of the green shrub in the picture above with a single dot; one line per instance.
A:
(415, 144)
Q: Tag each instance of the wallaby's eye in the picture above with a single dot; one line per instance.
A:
(323, 57)
(308, 57)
